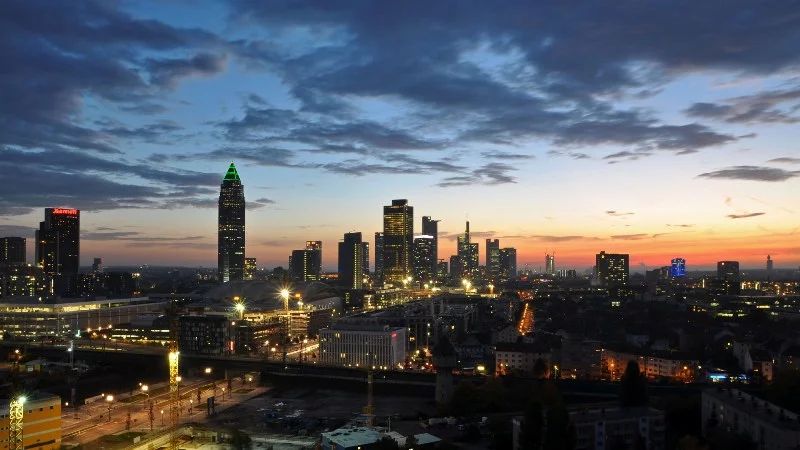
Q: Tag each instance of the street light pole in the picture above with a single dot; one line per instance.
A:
(109, 400)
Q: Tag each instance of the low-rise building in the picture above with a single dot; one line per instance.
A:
(677, 366)
(361, 343)
(734, 411)
(205, 335)
(41, 422)
(520, 358)
(603, 428)
(364, 438)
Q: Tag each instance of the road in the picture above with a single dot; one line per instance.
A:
(93, 423)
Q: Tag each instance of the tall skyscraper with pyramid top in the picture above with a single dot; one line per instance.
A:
(230, 234)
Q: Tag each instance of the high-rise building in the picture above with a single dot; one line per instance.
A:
(230, 232)
(378, 256)
(12, 250)
(301, 265)
(441, 269)
(250, 267)
(550, 264)
(58, 241)
(493, 258)
(351, 274)
(508, 263)
(430, 227)
(468, 255)
(728, 271)
(423, 250)
(365, 257)
(456, 267)
(612, 269)
(398, 241)
(769, 263)
(97, 265)
(678, 268)
(315, 268)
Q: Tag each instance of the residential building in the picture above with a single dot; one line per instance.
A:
(231, 228)
(13, 251)
(604, 428)
(733, 411)
(41, 422)
(520, 358)
(398, 241)
(360, 343)
(613, 269)
(205, 335)
(654, 364)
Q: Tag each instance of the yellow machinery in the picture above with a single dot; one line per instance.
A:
(15, 415)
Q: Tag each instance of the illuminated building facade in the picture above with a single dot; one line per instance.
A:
(493, 258)
(467, 255)
(728, 276)
(315, 260)
(423, 251)
(58, 241)
(365, 257)
(231, 230)
(613, 269)
(351, 274)
(358, 344)
(378, 255)
(430, 227)
(508, 263)
(41, 421)
(301, 265)
(250, 267)
(678, 268)
(550, 264)
(12, 250)
(398, 241)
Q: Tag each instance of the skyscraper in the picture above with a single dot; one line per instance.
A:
(230, 232)
(508, 263)
(250, 268)
(315, 264)
(58, 241)
(398, 241)
(468, 255)
(379, 256)
(301, 265)
(423, 250)
(769, 264)
(12, 250)
(612, 269)
(550, 264)
(351, 273)
(678, 268)
(97, 265)
(365, 257)
(493, 258)
(430, 227)
(728, 270)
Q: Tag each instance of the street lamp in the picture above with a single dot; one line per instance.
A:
(162, 418)
(240, 309)
(191, 407)
(223, 393)
(208, 371)
(109, 400)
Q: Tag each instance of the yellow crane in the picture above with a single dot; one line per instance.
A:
(174, 377)
(15, 416)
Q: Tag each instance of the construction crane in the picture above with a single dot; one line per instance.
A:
(15, 426)
(285, 337)
(369, 410)
(174, 377)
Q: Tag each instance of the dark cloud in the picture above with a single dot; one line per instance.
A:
(785, 160)
(618, 213)
(506, 155)
(745, 216)
(489, 174)
(681, 225)
(168, 72)
(630, 237)
(550, 238)
(751, 173)
(16, 231)
(625, 155)
(259, 203)
(764, 107)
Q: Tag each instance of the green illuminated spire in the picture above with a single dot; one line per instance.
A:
(232, 174)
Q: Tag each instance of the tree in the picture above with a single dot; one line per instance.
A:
(560, 433)
(385, 443)
(785, 390)
(411, 442)
(633, 387)
(532, 430)
(239, 440)
(540, 369)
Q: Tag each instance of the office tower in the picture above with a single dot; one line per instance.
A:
(398, 241)
(365, 257)
(456, 267)
(678, 268)
(378, 256)
(250, 267)
(493, 258)
(315, 267)
(423, 251)
(302, 265)
(441, 269)
(728, 270)
(430, 227)
(468, 255)
(508, 263)
(58, 241)
(97, 265)
(230, 233)
(12, 250)
(612, 269)
(351, 273)
(550, 264)
(769, 264)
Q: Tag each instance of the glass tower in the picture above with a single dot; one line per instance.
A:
(398, 241)
(230, 234)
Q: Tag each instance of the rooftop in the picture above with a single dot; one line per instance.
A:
(613, 414)
(352, 437)
(232, 174)
(755, 407)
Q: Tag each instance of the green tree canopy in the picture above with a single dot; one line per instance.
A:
(633, 387)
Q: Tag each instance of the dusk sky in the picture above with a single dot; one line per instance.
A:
(655, 128)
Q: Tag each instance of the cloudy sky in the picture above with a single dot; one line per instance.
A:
(657, 128)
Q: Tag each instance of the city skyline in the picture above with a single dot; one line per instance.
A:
(548, 136)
